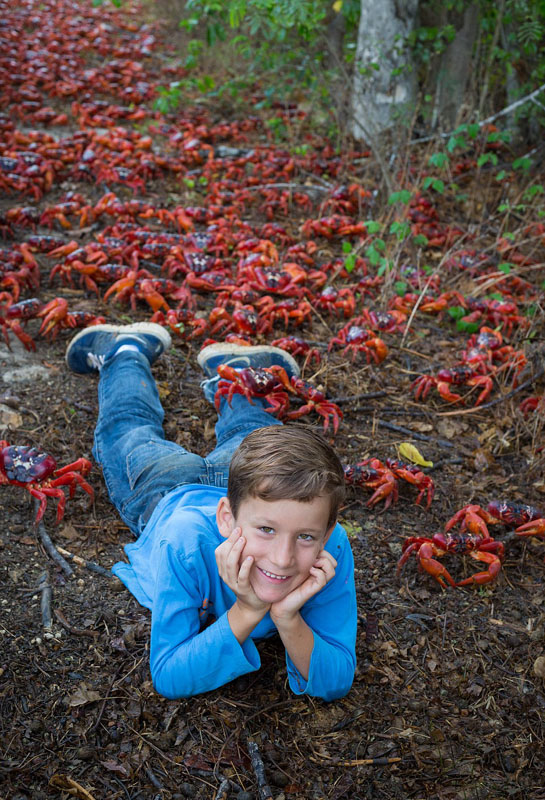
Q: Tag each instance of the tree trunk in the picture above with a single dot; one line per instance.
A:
(381, 98)
(455, 70)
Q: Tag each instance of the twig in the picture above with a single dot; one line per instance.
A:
(496, 400)
(70, 628)
(297, 187)
(503, 112)
(353, 397)
(369, 762)
(45, 588)
(83, 562)
(263, 789)
(399, 429)
(223, 790)
(50, 548)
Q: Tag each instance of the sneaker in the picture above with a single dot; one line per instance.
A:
(240, 356)
(90, 347)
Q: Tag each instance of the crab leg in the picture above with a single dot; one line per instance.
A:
(481, 578)
(434, 567)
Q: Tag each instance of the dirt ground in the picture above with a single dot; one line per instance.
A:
(448, 701)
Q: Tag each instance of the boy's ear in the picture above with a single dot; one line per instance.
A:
(224, 518)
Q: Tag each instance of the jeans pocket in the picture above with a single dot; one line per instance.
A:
(145, 457)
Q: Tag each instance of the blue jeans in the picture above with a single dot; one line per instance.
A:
(139, 465)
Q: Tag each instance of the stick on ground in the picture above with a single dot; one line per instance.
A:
(263, 789)
(44, 587)
(52, 551)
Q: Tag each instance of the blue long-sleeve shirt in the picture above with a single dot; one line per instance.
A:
(172, 571)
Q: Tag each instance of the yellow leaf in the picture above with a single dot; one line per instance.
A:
(409, 452)
(337, 6)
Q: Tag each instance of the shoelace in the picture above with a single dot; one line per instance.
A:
(94, 361)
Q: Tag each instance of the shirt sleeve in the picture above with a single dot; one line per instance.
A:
(332, 617)
(184, 660)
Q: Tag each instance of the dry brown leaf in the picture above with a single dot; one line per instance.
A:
(66, 784)
(539, 667)
(69, 533)
(82, 696)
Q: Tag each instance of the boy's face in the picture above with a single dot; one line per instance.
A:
(284, 537)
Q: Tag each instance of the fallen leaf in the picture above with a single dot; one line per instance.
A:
(539, 667)
(410, 453)
(82, 696)
(69, 533)
(114, 766)
(66, 784)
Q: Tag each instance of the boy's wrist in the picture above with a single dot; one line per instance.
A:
(286, 622)
(243, 619)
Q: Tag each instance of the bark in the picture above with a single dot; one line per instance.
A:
(381, 99)
(336, 28)
(455, 70)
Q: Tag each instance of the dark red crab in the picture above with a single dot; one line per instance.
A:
(36, 471)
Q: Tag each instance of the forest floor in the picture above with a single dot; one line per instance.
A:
(448, 700)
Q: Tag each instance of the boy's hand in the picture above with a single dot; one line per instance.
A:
(321, 573)
(237, 575)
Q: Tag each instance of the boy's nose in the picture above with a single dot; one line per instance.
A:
(282, 555)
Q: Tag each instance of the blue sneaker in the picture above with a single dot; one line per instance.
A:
(240, 356)
(90, 347)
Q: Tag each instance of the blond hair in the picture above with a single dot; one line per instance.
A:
(286, 462)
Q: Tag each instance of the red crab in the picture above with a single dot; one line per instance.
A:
(36, 471)
(372, 474)
(412, 474)
(429, 550)
(274, 384)
(298, 347)
(459, 375)
(356, 339)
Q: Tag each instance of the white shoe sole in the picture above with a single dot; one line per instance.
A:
(136, 327)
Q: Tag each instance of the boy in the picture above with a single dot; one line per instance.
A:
(266, 557)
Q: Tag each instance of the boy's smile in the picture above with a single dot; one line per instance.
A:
(284, 537)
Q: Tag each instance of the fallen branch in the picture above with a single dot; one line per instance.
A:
(50, 548)
(83, 562)
(408, 432)
(496, 400)
(263, 789)
(503, 112)
(44, 587)
(353, 397)
(296, 187)
(223, 790)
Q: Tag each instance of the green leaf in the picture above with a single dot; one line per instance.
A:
(523, 163)
(486, 158)
(347, 247)
(350, 262)
(505, 267)
(373, 226)
(403, 196)
(438, 160)
(467, 327)
(501, 175)
(400, 288)
(456, 312)
(420, 240)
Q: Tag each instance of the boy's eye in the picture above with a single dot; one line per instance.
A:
(265, 529)
(306, 537)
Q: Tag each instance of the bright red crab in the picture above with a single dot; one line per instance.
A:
(429, 550)
(273, 384)
(36, 471)
(459, 375)
(372, 474)
(355, 338)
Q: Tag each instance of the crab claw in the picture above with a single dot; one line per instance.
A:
(481, 578)
(534, 528)
(434, 567)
